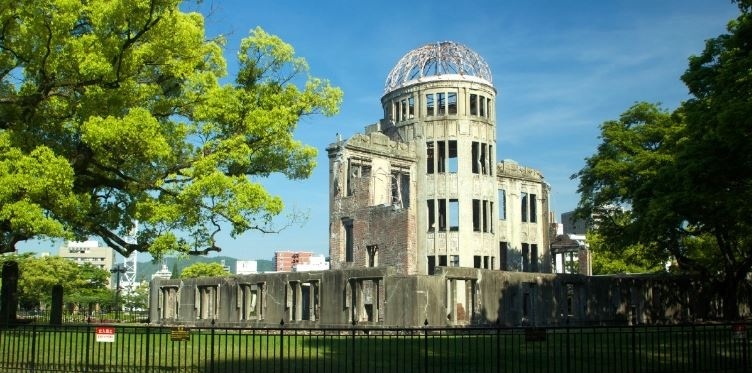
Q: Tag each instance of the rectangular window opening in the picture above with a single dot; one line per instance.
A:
(454, 260)
(476, 215)
(441, 103)
(454, 215)
(473, 104)
(482, 106)
(483, 162)
(442, 215)
(442, 260)
(429, 157)
(403, 110)
(441, 157)
(503, 252)
(429, 105)
(525, 257)
(431, 216)
(452, 157)
(523, 206)
(485, 216)
(348, 226)
(431, 264)
(452, 103)
(533, 208)
(474, 156)
(502, 204)
(411, 107)
(476, 261)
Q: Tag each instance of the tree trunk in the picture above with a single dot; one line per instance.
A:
(730, 293)
(9, 293)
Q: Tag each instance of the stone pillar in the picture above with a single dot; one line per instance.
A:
(56, 309)
(9, 293)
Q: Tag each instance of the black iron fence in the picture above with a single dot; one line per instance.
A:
(78, 317)
(120, 348)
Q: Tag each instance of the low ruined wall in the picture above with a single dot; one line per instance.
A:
(451, 297)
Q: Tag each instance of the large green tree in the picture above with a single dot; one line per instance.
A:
(115, 111)
(681, 183)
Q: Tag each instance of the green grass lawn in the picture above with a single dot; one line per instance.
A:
(141, 349)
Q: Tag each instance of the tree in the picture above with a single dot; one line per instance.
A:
(82, 284)
(685, 178)
(204, 270)
(636, 258)
(138, 297)
(114, 111)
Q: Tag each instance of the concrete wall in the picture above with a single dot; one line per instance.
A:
(450, 297)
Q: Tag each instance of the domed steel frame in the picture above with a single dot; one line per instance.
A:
(436, 60)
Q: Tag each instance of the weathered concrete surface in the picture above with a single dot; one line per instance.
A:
(451, 297)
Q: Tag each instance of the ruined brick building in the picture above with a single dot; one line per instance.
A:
(421, 188)
(427, 227)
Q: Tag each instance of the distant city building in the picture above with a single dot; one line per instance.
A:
(573, 225)
(89, 252)
(315, 263)
(246, 267)
(162, 273)
(571, 254)
(285, 260)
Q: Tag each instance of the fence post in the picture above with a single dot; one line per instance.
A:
(354, 322)
(211, 350)
(634, 347)
(425, 345)
(498, 344)
(87, 339)
(282, 345)
(694, 356)
(32, 363)
(567, 349)
(147, 350)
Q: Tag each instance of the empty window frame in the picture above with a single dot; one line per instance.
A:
(347, 225)
(454, 215)
(206, 302)
(452, 103)
(410, 107)
(476, 215)
(373, 258)
(431, 215)
(429, 157)
(431, 264)
(503, 253)
(169, 302)
(442, 204)
(481, 158)
(533, 257)
(452, 157)
(454, 260)
(502, 204)
(441, 103)
(533, 208)
(473, 104)
(441, 157)
(523, 206)
(485, 261)
(481, 106)
(525, 257)
(474, 155)
(357, 169)
(486, 213)
(251, 301)
(403, 110)
(476, 261)
(442, 260)
(430, 105)
(400, 187)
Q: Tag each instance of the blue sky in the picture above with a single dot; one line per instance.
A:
(560, 68)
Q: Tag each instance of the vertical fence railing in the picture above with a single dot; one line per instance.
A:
(635, 348)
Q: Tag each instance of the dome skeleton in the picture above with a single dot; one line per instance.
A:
(432, 61)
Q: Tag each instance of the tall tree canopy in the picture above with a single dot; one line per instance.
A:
(113, 111)
(680, 183)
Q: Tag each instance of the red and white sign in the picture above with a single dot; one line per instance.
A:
(105, 334)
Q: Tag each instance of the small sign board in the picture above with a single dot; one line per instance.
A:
(104, 334)
(180, 334)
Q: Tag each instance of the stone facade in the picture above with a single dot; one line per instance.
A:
(380, 297)
(421, 188)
